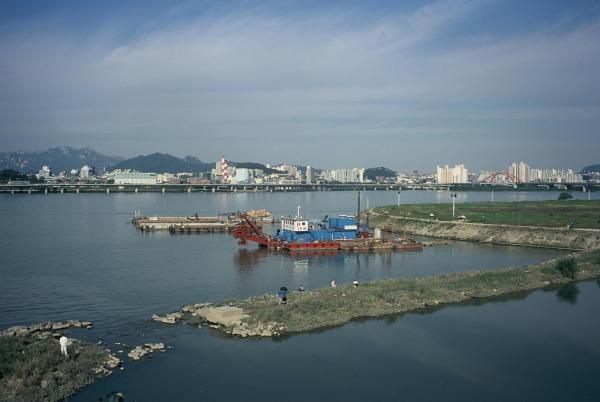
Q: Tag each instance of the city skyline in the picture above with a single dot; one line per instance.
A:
(381, 84)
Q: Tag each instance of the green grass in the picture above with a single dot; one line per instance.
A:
(327, 307)
(585, 214)
(33, 369)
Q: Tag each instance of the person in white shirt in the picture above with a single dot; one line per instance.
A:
(63, 345)
(355, 283)
(333, 285)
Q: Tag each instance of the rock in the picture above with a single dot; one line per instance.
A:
(223, 315)
(270, 327)
(155, 346)
(165, 320)
(44, 384)
(86, 324)
(59, 325)
(174, 316)
(266, 333)
(137, 353)
(112, 362)
(147, 348)
(547, 283)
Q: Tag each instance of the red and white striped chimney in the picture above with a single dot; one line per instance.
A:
(224, 169)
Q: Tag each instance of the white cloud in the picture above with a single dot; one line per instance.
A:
(333, 74)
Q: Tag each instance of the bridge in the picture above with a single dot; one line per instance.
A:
(62, 188)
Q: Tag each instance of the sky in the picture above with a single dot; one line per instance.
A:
(332, 84)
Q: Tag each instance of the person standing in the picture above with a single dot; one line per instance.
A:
(63, 345)
(333, 285)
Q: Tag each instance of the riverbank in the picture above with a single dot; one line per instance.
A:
(263, 316)
(33, 369)
(508, 234)
(584, 214)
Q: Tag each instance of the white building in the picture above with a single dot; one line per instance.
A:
(354, 175)
(135, 178)
(448, 175)
(243, 176)
(309, 175)
(44, 172)
(521, 171)
(84, 172)
(555, 176)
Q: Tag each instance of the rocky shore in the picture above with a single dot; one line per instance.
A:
(47, 328)
(33, 368)
(263, 316)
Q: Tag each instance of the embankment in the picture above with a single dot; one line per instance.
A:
(531, 236)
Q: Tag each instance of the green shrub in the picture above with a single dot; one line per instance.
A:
(565, 196)
(567, 267)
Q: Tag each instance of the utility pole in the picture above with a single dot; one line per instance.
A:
(453, 195)
(358, 212)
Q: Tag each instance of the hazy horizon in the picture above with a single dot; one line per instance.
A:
(327, 84)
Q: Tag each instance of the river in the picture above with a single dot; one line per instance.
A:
(77, 256)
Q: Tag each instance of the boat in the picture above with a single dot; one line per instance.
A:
(299, 234)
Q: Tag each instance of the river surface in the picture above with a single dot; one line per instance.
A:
(77, 256)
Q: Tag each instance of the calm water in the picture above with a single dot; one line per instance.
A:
(78, 257)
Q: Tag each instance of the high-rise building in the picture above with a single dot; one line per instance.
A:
(354, 175)
(520, 171)
(448, 175)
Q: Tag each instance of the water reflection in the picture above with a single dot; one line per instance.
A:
(249, 258)
(568, 293)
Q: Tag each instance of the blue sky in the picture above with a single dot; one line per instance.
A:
(331, 84)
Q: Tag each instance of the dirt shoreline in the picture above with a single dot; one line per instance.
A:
(527, 236)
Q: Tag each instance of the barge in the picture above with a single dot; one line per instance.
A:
(186, 224)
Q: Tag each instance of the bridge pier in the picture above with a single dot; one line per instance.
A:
(189, 190)
(136, 190)
(107, 190)
(29, 190)
(77, 190)
(45, 190)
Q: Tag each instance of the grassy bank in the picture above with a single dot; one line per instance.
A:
(32, 368)
(328, 307)
(585, 214)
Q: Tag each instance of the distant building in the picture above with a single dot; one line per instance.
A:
(354, 175)
(44, 172)
(135, 178)
(521, 171)
(84, 172)
(243, 176)
(309, 175)
(448, 175)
